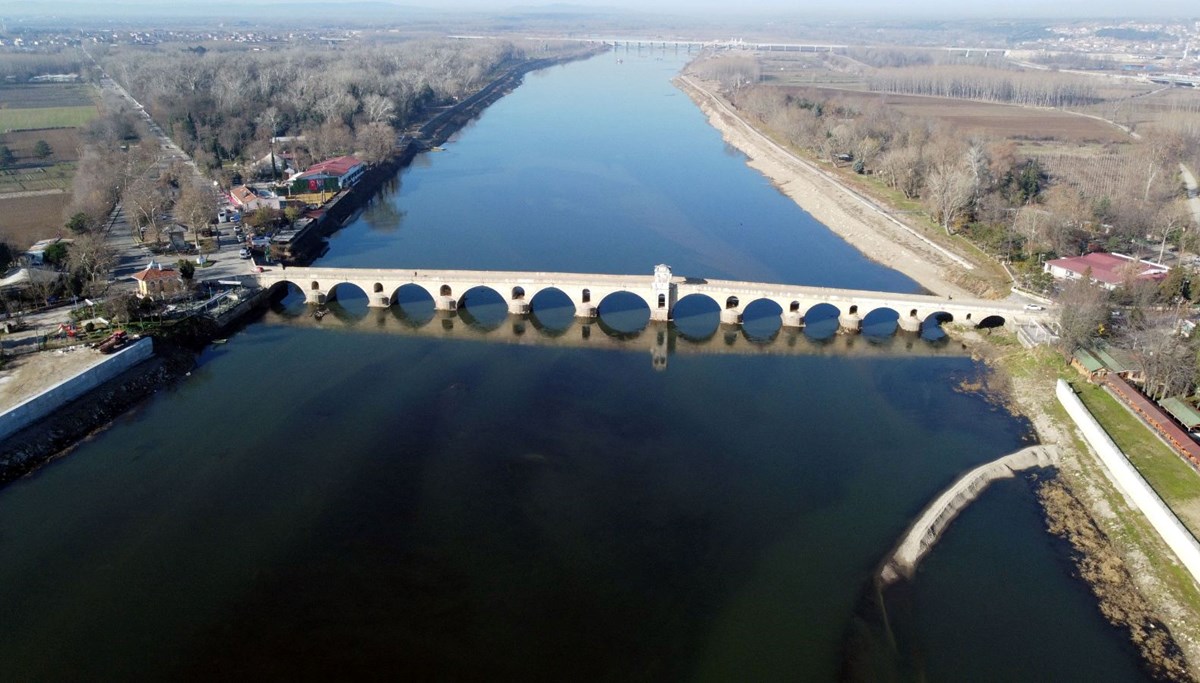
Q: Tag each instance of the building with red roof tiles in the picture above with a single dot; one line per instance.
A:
(155, 280)
(1107, 270)
(341, 172)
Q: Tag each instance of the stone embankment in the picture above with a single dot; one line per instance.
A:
(936, 518)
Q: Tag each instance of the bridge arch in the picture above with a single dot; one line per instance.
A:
(347, 289)
(991, 322)
(931, 328)
(552, 309)
(697, 317)
(624, 312)
(881, 322)
(762, 319)
(412, 304)
(483, 306)
(821, 321)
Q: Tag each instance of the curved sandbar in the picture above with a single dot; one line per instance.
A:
(933, 521)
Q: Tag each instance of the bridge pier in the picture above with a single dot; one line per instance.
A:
(314, 297)
(378, 302)
(445, 303)
(585, 311)
(518, 307)
(793, 319)
(850, 323)
(910, 323)
(731, 316)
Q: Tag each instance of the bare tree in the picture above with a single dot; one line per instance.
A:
(1085, 310)
(146, 200)
(91, 259)
(948, 193)
(196, 208)
(377, 141)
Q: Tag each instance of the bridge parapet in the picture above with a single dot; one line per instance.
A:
(660, 292)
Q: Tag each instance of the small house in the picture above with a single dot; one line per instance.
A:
(157, 281)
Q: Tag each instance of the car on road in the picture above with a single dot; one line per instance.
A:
(244, 253)
(1034, 307)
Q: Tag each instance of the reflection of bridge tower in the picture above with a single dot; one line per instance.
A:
(665, 294)
(661, 348)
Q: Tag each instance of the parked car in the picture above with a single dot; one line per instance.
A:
(1034, 307)
(244, 253)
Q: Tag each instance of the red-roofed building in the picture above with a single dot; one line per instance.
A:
(156, 280)
(345, 171)
(1107, 270)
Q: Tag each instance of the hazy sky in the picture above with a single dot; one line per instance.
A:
(825, 8)
(791, 9)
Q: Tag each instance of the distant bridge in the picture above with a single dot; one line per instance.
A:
(661, 292)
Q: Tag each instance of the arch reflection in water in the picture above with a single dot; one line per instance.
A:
(623, 313)
(660, 339)
(483, 306)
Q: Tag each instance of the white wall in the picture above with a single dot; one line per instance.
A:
(1131, 484)
(37, 407)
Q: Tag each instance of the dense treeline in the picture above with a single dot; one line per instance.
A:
(896, 57)
(22, 66)
(1010, 205)
(217, 105)
(992, 85)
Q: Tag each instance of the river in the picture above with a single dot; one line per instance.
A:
(318, 503)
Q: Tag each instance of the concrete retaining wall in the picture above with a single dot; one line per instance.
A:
(1131, 484)
(37, 407)
(924, 533)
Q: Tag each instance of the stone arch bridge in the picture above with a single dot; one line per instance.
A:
(660, 291)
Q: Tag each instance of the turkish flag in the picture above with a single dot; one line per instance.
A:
(313, 185)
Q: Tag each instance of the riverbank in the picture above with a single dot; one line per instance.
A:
(1080, 499)
(853, 218)
(1128, 568)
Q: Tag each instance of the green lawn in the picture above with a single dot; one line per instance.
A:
(1172, 478)
(47, 117)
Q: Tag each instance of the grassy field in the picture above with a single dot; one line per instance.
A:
(48, 117)
(43, 95)
(1173, 478)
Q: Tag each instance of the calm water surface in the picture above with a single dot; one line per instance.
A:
(319, 504)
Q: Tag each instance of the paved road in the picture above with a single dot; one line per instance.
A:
(131, 255)
(1193, 191)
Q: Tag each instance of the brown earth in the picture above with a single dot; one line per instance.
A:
(1107, 574)
(64, 142)
(989, 118)
(29, 219)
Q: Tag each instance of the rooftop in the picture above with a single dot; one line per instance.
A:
(155, 272)
(1111, 269)
(338, 166)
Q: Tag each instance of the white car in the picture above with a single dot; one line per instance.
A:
(244, 253)
(1034, 307)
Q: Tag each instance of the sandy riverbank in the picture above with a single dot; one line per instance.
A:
(1079, 504)
(878, 236)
